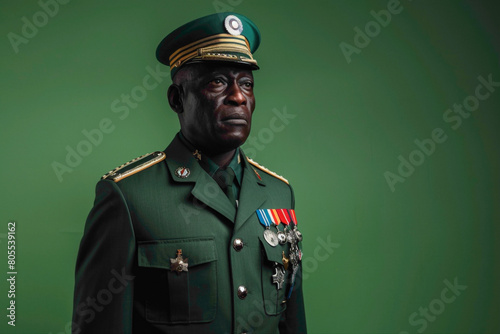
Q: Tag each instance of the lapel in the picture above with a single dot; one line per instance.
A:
(205, 189)
(252, 194)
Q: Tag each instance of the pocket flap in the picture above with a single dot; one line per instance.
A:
(273, 253)
(157, 253)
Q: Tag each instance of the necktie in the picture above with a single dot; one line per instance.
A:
(225, 178)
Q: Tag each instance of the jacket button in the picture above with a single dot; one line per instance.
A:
(238, 244)
(242, 292)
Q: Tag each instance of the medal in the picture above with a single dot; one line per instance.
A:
(271, 237)
(276, 220)
(284, 260)
(294, 237)
(285, 220)
(295, 258)
(179, 264)
(279, 276)
(297, 233)
(265, 220)
(281, 237)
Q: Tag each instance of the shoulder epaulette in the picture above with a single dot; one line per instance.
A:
(134, 166)
(262, 168)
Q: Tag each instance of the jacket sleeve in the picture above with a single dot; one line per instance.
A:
(293, 319)
(103, 278)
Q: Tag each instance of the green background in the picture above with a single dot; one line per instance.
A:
(390, 251)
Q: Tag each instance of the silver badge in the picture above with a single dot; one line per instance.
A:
(271, 238)
(182, 172)
(233, 25)
(279, 276)
(281, 237)
(298, 235)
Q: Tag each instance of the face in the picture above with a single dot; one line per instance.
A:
(217, 105)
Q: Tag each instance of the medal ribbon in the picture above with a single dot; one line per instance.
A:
(283, 215)
(263, 217)
(274, 216)
(292, 214)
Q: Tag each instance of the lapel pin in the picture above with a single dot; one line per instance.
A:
(182, 172)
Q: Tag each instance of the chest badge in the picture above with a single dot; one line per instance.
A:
(279, 276)
(179, 264)
(285, 260)
(182, 172)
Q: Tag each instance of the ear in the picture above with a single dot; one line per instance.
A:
(174, 94)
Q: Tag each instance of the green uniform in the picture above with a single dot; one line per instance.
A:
(148, 211)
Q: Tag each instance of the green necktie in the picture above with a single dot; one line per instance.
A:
(225, 178)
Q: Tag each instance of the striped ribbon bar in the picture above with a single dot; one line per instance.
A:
(294, 218)
(284, 216)
(274, 216)
(264, 217)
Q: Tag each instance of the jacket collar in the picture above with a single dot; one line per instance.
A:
(206, 190)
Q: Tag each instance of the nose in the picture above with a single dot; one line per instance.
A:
(235, 96)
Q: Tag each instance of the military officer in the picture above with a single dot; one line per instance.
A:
(197, 238)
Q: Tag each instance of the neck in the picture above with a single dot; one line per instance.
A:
(222, 159)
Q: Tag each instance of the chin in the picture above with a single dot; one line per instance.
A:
(232, 141)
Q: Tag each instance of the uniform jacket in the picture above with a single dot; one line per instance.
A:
(123, 279)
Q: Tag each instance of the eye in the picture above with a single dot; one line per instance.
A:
(247, 84)
(216, 82)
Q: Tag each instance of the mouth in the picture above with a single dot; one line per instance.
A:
(234, 120)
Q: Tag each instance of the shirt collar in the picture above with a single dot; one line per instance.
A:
(211, 167)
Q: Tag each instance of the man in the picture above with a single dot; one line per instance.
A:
(198, 238)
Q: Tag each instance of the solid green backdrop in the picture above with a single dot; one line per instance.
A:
(383, 115)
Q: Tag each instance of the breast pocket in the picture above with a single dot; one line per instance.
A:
(176, 297)
(274, 298)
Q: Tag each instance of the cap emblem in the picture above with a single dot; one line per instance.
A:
(233, 25)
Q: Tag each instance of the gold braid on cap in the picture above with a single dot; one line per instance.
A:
(216, 47)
